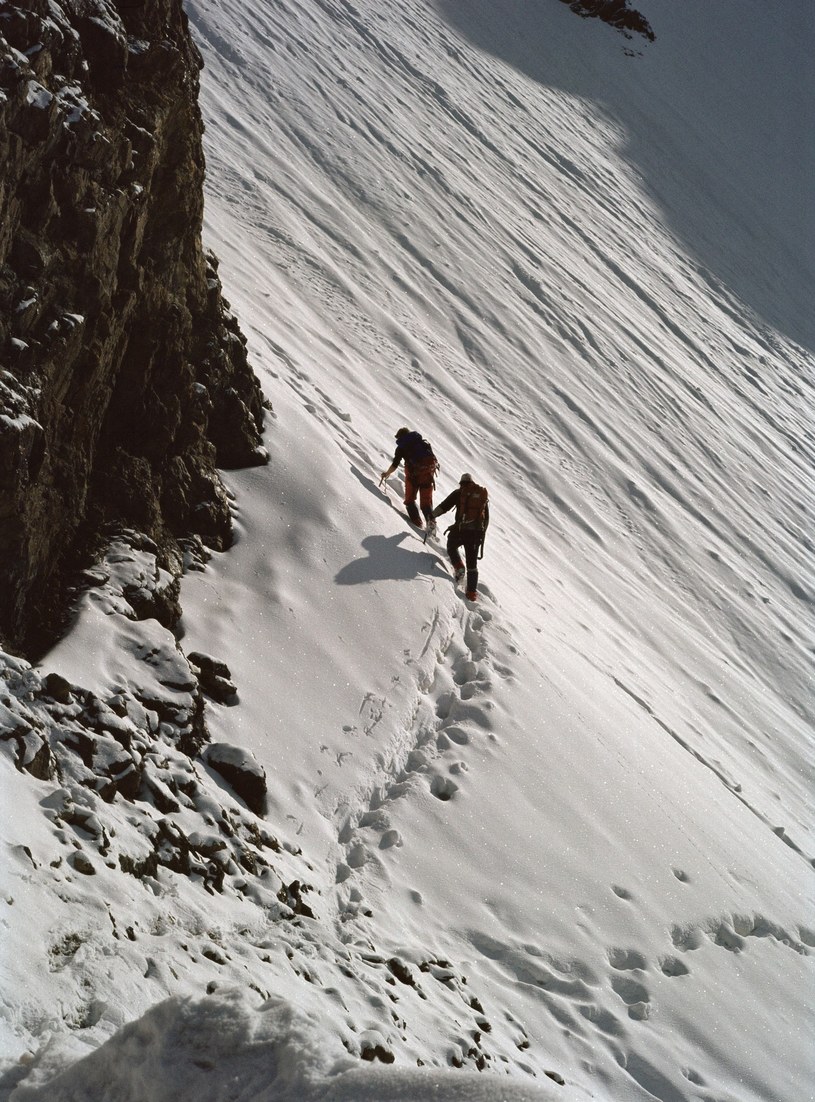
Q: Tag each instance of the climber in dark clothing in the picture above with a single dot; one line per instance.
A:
(468, 529)
(420, 474)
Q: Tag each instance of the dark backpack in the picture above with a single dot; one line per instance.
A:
(471, 512)
(420, 459)
(415, 447)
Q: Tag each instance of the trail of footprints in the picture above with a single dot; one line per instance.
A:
(453, 710)
(587, 1001)
(630, 969)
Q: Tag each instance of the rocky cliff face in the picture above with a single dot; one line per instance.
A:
(123, 376)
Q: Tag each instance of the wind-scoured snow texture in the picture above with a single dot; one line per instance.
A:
(565, 833)
(124, 373)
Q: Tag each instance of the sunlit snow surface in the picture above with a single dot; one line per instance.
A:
(581, 265)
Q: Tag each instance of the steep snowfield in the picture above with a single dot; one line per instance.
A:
(567, 830)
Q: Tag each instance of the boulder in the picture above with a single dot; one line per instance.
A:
(213, 677)
(241, 771)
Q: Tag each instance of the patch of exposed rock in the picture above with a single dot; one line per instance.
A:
(616, 13)
(124, 380)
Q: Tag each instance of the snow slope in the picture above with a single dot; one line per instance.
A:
(565, 834)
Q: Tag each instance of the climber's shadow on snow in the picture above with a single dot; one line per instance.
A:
(387, 561)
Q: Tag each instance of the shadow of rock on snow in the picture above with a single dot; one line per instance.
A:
(748, 234)
(387, 560)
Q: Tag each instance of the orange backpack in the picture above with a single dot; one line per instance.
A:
(472, 506)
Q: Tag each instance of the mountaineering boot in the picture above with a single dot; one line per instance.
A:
(413, 514)
(430, 521)
(472, 584)
(458, 573)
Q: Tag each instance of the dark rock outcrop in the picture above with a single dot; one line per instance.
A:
(214, 678)
(124, 380)
(616, 13)
(240, 770)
